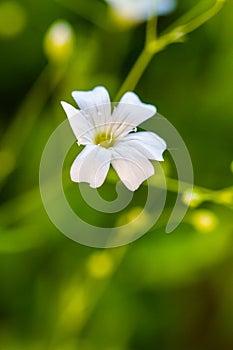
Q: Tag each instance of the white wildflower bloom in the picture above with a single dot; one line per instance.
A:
(141, 10)
(110, 137)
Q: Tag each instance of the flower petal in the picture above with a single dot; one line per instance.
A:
(96, 104)
(130, 113)
(91, 166)
(132, 167)
(80, 125)
(147, 143)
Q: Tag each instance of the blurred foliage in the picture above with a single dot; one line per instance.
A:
(163, 290)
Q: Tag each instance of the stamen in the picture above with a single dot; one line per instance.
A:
(104, 139)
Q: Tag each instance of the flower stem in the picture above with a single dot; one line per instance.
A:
(154, 44)
(12, 142)
(135, 73)
(151, 30)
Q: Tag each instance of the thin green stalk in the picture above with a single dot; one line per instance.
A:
(154, 44)
(192, 14)
(151, 30)
(16, 135)
(135, 73)
(30, 108)
(203, 18)
(27, 203)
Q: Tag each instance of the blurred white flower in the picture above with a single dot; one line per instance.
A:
(141, 10)
(110, 138)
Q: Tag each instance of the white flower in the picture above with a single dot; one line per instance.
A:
(141, 10)
(109, 138)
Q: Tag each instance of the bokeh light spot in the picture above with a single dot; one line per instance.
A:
(204, 220)
(12, 19)
(100, 265)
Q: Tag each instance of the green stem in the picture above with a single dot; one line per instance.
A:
(203, 18)
(16, 135)
(31, 108)
(151, 30)
(154, 45)
(135, 73)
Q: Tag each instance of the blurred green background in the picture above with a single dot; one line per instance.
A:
(162, 291)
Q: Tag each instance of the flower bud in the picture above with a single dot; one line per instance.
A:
(59, 42)
(192, 198)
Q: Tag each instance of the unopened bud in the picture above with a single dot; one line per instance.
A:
(59, 41)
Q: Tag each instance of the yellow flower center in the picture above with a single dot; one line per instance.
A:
(104, 139)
